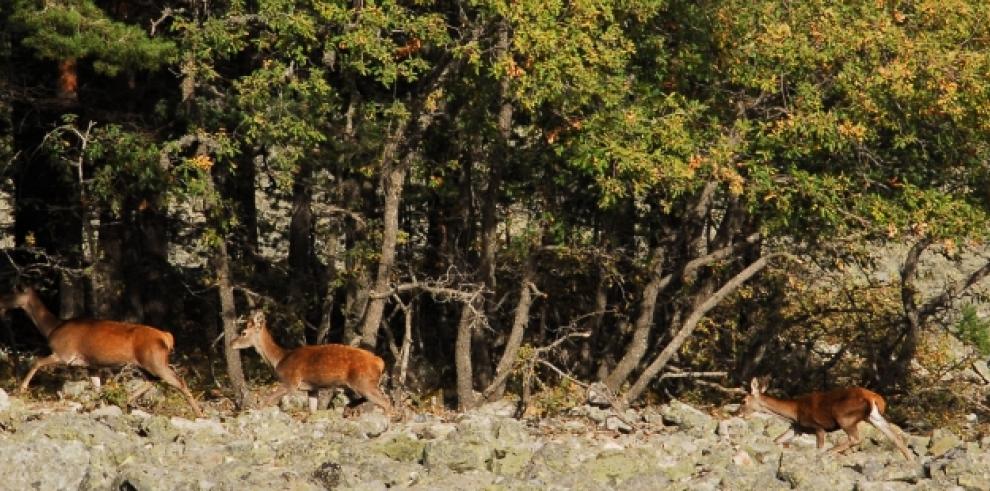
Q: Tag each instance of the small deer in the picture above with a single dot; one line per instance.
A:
(98, 343)
(822, 412)
(311, 368)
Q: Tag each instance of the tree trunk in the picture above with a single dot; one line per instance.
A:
(641, 330)
(521, 319)
(303, 284)
(228, 314)
(489, 214)
(225, 290)
(690, 323)
(393, 182)
(693, 232)
(462, 355)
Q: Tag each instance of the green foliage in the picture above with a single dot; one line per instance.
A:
(63, 29)
(973, 330)
(114, 394)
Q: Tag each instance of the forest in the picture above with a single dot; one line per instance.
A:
(511, 198)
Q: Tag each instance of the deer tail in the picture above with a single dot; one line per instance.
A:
(877, 420)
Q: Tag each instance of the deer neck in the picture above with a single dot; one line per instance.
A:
(784, 408)
(43, 319)
(269, 348)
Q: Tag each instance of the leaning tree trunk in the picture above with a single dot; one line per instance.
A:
(688, 326)
(637, 347)
(394, 178)
(404, 139)
(519, 322)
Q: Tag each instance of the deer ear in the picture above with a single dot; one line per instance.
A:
(754, 386)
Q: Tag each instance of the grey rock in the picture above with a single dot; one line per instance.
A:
(688, 418)
(943, 441)
(43, 463)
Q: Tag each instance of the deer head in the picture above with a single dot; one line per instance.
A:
(251, 334)
(16, 299)
(753, 401)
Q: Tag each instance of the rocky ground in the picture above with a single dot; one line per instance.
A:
(53, 446)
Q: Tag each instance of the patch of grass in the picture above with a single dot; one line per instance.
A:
(973, 330)
(114, 394)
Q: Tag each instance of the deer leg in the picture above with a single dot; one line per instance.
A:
(785, 437)
(852, 441)
(51, 359)
(375, 395)
(881, 424)
(275, 397)
(140, 392)
(313, 400)
(169, 376)
(819, 438)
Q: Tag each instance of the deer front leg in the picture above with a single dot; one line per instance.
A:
(785, 437)
(39, 363)
(277, 396)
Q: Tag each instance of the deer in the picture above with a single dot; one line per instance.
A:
(98, 343)
(314, 367)
(822, 412)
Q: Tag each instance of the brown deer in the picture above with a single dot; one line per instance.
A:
(822, 412)
(98, 343)
(311, 368)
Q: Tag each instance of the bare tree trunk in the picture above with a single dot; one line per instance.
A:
(521, 319)
(690, 323)
(639, 344)
(394, 179)
(462, 355)
(304, 268)
(641, 330)
(228, 314)
(225, 289)
(405, 137)
(489, 213)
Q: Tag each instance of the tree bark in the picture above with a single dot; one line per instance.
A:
(462, 355)
(638, 346)
(690, 323)
(228, 315)
(519, 322)
(405, 138)
(394, 179)
(304, 268)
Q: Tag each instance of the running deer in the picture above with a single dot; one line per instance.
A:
(314, 367)
(822, 412)
(98, 343)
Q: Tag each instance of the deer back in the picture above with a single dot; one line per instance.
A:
(824, 409)
(330, 364)
(102, 342)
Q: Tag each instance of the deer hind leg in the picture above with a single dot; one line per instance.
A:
(154, 359)
(371, 392)
(51, 359)
(169, 376)
(852, 441)
(140, 392)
